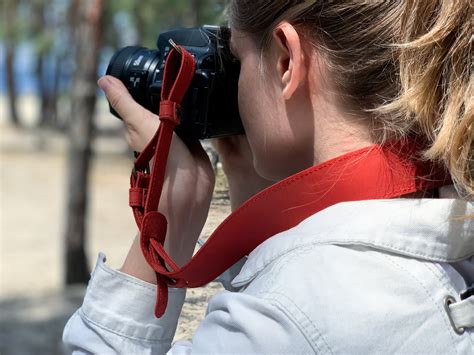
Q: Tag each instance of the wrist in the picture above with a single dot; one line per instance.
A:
(178, 249)
(136, 265)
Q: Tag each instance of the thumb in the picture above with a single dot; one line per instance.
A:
(123, 103)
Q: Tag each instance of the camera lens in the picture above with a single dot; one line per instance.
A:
(136, 68)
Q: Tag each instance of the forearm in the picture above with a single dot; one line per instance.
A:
(136, 265)
(182, 233)
(241, 188)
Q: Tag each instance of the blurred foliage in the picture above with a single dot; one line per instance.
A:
(149, 18)
(63, 47)
(48, 27)
(44, 23)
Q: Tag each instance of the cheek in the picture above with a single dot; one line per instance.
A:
(259, 115)
(250, 94)
(272, 139)
(256, 112)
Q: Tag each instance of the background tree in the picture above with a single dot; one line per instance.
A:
(47, 29)
(70, 41)
(9, 16)
(83, 96)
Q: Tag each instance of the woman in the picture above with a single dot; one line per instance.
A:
(319, 79)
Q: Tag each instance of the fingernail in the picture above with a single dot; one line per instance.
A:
(103, 83)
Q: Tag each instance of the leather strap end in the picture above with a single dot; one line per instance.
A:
(161, 296)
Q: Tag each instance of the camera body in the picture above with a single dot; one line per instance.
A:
(209, 108)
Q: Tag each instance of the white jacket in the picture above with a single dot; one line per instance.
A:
(364, 277)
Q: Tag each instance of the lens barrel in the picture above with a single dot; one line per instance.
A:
(120, 58)
(136, 67)
(209, 108)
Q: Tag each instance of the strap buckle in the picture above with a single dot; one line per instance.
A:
(135, 170)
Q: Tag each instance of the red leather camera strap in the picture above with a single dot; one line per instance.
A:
(145, 190)
(374, 172)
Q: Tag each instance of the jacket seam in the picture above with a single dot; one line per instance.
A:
(279, 305)
(377, 246)
(267, 295)
(406, 271)
(147, 340)
(441, 275)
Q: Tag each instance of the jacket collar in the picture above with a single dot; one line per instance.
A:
(427, 229)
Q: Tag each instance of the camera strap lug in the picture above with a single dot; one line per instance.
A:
(175, 46)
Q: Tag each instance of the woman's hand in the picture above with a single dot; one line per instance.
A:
(237, 162)
(188, 187)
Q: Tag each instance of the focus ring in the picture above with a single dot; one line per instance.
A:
(118, 61)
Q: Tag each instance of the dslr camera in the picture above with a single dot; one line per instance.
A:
(209, 108)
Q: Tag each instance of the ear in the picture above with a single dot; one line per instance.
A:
(291, 65)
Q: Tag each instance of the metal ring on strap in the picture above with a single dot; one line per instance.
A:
(448, 300)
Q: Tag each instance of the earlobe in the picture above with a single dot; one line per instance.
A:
(290, 58)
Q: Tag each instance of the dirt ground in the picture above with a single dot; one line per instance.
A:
(34, 306)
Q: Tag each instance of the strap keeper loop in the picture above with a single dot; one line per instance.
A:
(169, 111)
(137, 197)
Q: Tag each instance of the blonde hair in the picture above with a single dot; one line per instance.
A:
(405, 64)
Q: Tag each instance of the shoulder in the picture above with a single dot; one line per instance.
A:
(354, 299)
(355, 285)
(367, 275)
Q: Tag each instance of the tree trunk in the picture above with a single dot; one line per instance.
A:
(139, 24)
(195, 13)
(83, 95)
(49, 105)
(40, 74)
(38, 26)
(10, 15)
(62, 100)
(47, 113)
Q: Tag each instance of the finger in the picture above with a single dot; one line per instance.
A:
(121, 100)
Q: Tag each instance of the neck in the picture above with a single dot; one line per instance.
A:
(335, 135)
